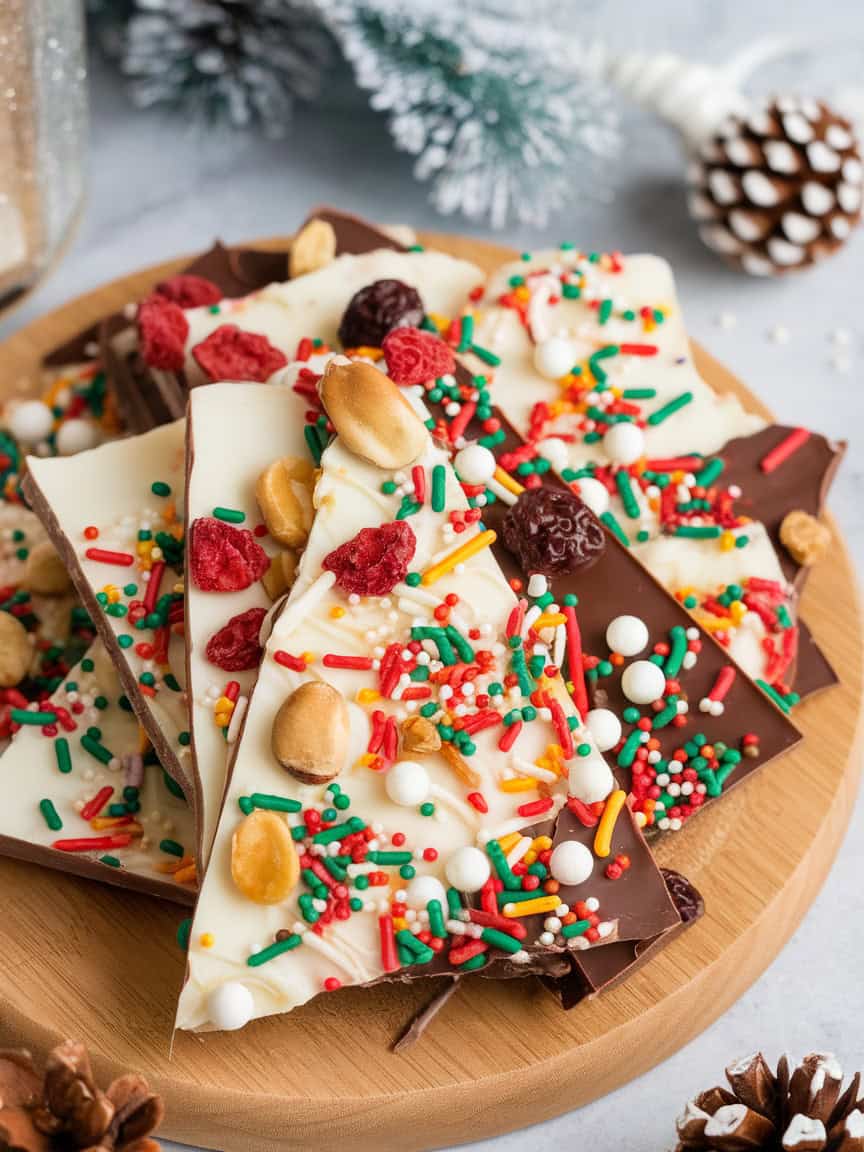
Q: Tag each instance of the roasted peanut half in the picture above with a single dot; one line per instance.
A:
(264, 863)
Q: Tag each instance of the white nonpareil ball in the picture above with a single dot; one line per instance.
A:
(553, 358)
(643, 682)
(594, 494)
(627, 635)
(590, 779)
(230, 1006)
(467, 869)
(422, 889)
(571, 862)
(31, 421)
(605, 727)
(75, 436)
(475, 464)
(407, 783)
(555, 451)
(624, 443)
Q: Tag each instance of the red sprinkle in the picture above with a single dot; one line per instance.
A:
(295, 663)
(477, 800)
(95, 805)
(93, 843)
(787, 447)
(105, 556)
(536, 807)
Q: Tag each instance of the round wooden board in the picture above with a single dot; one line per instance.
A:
(84, 960)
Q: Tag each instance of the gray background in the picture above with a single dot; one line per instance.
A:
(159, 187)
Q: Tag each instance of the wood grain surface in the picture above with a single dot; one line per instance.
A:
(85, 960)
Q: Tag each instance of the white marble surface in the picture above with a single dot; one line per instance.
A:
(159, 187)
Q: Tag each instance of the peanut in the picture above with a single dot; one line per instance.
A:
(44, 572)
(804, 537)
(371, 416)
(310, 733)
(284, 495)
(314, 247)
(16, 653)
(279, 577)
(264, 863)
(420, 735)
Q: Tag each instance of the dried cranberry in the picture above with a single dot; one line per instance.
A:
(551, 531)
(162, 332)
(223, 558)
(376, 310)
(229, 353)
(235, 648)
(375, 560)
(189, 291)
(688, 900)
(413, 356)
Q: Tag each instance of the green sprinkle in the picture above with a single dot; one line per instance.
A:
(160, 488)
(229, 515)
(111, 861)
(436, 919)
(775, 696)
(577, 928)
(466, 333)
(625, 490)
(49, 814)
(171, 847)
(389, 857)
(275, 803)
(97, 751)
(478, 961)
(454, 903)
(501, 940)
(699, 531)
(439, 484)
(485, 355)
(36, 719)
(670, 409)
(413, 579)
(64, 757)
(427, 809)
(313, 443)
(274, 950)
(604, 311)
(631, 745)
(677, 651)
(184, 931)
(615, 528)
(709, 472)
(638, 393)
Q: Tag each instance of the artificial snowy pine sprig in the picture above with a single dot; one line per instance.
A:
(244, 59)
(500, 127)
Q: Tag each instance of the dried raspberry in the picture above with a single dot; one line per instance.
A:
(223, 558)
(376, 309)
(229, 353)
(162, 332)
(375, 560)
(551, 531)
(235, 648)
(413, 357)
(189, 291)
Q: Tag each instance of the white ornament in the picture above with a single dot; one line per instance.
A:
(594, 494)
(230, 1006)
(467, 869)
(75, 436)
(643, 682)
(555, 451)
(31, 421)
(624, 443)
(627, 635)
(422, 889)
(553, 358)
(605, 727)
(816, 198)
(475, 464)
(590, 779)
(407, 783)
(571, 862)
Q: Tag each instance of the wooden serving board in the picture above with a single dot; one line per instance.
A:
(81, 959)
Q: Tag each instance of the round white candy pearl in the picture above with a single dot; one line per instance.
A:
(230, 1006)
(75, 436)
(643, 682)
(553, 358)
(627, 635)
(422, 889)
(571, 862)
(475, 464)
(407, 783)
(594, 494)
(605, 727)
(467, 869)
(31, 421)
(624, 443)
(590, 779)
(555, 451)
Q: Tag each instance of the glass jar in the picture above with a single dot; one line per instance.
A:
(43, 118)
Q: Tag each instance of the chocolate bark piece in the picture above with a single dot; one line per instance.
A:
(617, 584)
(800, 482)
(601, 969)
(44, 778)
(119, 475)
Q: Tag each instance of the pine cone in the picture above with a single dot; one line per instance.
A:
(780, 189)
(65, 1110)
(764, 1111)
